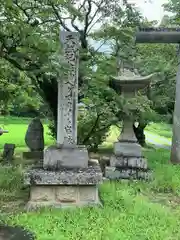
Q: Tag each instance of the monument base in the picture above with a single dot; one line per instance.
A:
(62, 196)
(65, 188)
(128, 168)
(127, 162)
(57, 158)
(114, 173)
(33, 155)
(132, 149)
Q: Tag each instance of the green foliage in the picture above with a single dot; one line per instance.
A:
(164, 130)
(173, 6)
(92, 130)
(30, 47)
(31, 43)
(11, 183)
(162, 59)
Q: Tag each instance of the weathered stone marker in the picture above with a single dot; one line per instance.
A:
(167, 35)
(35, 135)
(68, 93)
(34, 139)
(66, 153)
(67, 178)
(8, 152)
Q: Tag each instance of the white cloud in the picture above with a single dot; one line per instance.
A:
(153, 9)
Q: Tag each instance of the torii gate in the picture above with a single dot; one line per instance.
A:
(167, 35)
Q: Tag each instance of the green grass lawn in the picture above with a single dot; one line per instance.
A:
(161, 129)
(159, 134)
(131, 210)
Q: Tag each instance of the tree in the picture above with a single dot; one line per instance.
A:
(30, 44)
(30, 39)
(120, 36)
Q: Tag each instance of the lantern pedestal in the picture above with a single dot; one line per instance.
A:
(127, 162)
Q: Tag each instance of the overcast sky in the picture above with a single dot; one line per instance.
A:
(153, 10)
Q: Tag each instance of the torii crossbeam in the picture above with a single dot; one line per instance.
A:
(167, 35)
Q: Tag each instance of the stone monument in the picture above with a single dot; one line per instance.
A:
(128, 162)
(34, 140)
(68, 177)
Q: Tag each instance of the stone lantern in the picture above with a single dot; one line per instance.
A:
(127, 161)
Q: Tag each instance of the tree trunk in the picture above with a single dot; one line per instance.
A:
(49, 92)
(139, 132)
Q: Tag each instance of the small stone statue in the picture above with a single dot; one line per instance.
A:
(35, 135)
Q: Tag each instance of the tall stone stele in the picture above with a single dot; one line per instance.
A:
(68, 177)
(127, 161)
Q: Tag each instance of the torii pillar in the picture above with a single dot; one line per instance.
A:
(167, 35)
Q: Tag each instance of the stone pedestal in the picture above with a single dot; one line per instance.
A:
(34, 158)
(65, 188)
(127, 162)
(33, 155)
(115, 173)
(73, 157)
(132, 149)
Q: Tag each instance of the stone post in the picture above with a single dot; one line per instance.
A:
(66, 153)
(68, 92)
(175, 149)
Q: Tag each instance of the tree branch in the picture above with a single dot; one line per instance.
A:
(13, 62)
(59, 17)
(75, 16)
(29, 17)
(74, 26)
(101, 129)
(94, 15)
(92, 129)
(87, 16)
(100, 46)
